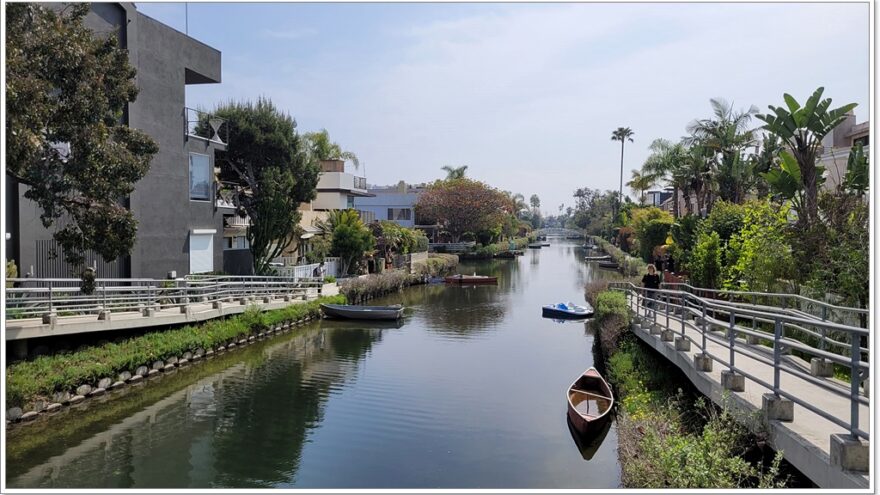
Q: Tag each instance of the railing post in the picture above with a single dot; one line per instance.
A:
(777, 354)
(104, 295)
(667, 310)
(51, 301)
(703, 325)
(732, 338)
(854, 385)
(824, 330)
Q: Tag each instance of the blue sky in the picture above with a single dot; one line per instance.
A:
(526, 95)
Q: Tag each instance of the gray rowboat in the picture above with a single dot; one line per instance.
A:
(362, 312)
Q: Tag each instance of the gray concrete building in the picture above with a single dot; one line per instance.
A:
(180, 222)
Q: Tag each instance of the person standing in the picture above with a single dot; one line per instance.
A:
(651, 281)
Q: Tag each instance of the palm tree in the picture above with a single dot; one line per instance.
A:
(322, 148)
(726, 136)
(670, 163)
(639, 183)
(453, 173)
(622, 134)
(517, 203)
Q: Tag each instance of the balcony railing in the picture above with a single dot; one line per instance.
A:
(202, 125)
(360, 183)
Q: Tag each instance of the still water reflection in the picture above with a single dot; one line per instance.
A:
(469, 391)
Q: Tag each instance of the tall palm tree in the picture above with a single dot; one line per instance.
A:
(454, 172)
(622, 134)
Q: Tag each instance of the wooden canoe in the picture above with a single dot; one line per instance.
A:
(471, 279)
(362, 312)
(589, 402)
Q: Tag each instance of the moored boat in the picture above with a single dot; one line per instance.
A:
(589, 402)
(471, 279)
(598, 258)
(608, 264)
(535, 245)
(567, 311)
(351, 312)
(545, 244)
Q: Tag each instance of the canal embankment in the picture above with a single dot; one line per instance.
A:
(668, 434)
(47, 384)
(366, 287)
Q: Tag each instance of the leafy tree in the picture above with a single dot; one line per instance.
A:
(760, 254)
(270, 172)
(651, 227)
(322, 148)
(726, 219)
(802, 129)
(351, 238)
(622, 134)
(668, 162)
(594, 211)
(535, 201)
(463, 205)
(843, 265)
(66, 90)
(684, 233)
(705, 263)
(394, 238)
(453, 173)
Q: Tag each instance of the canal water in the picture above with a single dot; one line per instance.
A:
(469, 390)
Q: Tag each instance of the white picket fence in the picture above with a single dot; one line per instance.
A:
(331, 267)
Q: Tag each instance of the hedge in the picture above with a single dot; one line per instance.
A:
(27, 381)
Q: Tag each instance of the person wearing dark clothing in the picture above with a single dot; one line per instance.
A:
(651, 280)
(658, 263)
(670, 264)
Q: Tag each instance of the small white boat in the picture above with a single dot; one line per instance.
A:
(566, 311)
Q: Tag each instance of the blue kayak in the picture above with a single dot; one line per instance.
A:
(567, 310)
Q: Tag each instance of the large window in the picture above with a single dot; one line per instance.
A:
(399, 214)
(199, 176)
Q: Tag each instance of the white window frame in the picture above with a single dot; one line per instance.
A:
(210, 177)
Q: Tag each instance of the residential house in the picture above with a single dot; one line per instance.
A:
(393, 203)
(180, 224)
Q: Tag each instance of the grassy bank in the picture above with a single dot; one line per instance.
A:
(360, 289)
(668, 435)
(30, 381)
(489, 251)
(629, 265)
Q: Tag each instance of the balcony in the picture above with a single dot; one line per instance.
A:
(202, 125)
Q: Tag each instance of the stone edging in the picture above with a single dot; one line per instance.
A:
(86, 392)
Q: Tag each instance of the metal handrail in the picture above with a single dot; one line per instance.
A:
(678, 305)
(826, 307)
(33, 297)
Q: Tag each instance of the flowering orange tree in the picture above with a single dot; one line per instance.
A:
(463, 205)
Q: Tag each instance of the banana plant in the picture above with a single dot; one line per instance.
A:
(858, 175)
(801, 129)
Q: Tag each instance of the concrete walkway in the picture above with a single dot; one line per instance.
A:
(172, 315)
(805, 441)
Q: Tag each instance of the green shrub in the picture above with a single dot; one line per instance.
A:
(28, 380)
(705, 262)
(611, 303)
(329, 279)
(760, 256)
